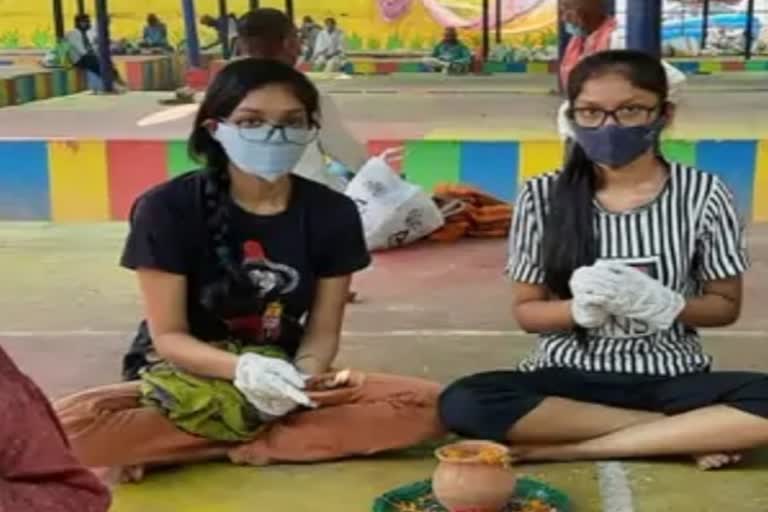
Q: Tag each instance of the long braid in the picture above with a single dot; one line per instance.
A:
(221, 296)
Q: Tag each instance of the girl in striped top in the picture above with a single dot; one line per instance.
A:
(616, 261)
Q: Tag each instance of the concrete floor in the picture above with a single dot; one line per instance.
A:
(412, 107)
(434, 311)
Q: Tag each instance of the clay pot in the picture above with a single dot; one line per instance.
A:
(469, 481)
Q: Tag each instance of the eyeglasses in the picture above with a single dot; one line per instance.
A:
(278, 133)
(630, 115)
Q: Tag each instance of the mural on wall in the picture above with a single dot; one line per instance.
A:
(529, 26)
(391, 25)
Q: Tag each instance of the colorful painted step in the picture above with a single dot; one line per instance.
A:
(98, 180)
(39, 85)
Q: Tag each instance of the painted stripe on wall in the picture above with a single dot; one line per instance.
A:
(178, 160)
(24, 181)
(429, 163)
(538, 157)
(734, 161)
(134, 167)
(760, 193)
(682, 151)
(78, 181)
(491, 167)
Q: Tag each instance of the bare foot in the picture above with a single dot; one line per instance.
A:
(114, 476)
(717, 461)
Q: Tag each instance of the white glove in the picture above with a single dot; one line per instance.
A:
(641, 297)
(592, 289)
(271, 385)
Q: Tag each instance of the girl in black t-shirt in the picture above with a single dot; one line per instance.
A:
(244, 269)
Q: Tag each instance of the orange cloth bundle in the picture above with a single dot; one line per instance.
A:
(470, 212)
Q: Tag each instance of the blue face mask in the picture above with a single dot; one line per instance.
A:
(265, 151)
(575, 30)
(616, 146)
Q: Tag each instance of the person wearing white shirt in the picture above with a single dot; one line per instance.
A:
(329, 47)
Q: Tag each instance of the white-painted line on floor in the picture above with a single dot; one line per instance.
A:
(615, 490)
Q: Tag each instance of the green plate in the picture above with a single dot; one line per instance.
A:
(418, 497)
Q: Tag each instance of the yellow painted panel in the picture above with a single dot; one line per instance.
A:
(538, 67)
(122, 68)
(72, 81)
(365, 68)
(710, 66)
(79, 181)
(760, 202)
(42, 86)
(538, 157)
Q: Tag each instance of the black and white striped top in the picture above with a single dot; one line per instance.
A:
(689, 234)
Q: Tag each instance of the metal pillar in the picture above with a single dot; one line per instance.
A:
(289, 9)
(704, 25)
(58, 19)
(486, 29)
(190, 27)
(499, 15)
(80, 6)
(749, 37)
(644, 26)
(105, 51)
(224, 29)
(254, 4)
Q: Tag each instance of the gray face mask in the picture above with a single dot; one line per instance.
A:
(616, 146)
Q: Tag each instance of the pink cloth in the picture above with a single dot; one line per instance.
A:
(37, 471)
(580, 47)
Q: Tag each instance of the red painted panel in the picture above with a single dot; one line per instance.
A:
(386, 67)
(197, 78)
(133, 167)
(134, 71)
(376, 147)
(734, 65)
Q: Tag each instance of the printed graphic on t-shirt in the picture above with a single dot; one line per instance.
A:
(622, 327)
(272, 281)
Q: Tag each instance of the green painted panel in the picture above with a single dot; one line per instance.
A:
(428, 163)
(179, 161)
(682, 151)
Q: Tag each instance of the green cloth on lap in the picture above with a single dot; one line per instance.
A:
(211, 408)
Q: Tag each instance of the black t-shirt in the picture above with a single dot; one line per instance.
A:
(319, 235)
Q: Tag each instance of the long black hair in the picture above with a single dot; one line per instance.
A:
(228, 90)
(569, 240)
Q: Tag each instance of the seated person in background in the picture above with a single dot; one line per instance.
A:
(244, 269)
(155, 34)
(82, 49)
(37, 471)
(308, 36)
(451, 55)
(329, 48)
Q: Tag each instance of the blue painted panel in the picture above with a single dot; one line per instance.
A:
(491, 167)
(24, 185)
(517, 67)
(687, 66)
(734, 161)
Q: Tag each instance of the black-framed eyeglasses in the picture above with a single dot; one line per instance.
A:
(268, 132)
(629, 115)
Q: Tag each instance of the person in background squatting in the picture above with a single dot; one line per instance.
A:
(616, 261)
(38, 473)
(244, 269)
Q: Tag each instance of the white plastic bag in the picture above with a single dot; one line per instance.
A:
(394, 212)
